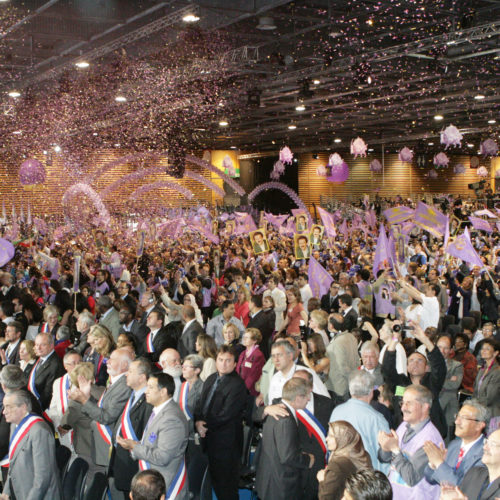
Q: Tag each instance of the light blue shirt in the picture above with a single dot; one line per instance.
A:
(368, 422)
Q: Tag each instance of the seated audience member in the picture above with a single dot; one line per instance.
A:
(368, 485)
(461, 353)
(404, 448)
(483, 483)
(281, 461)
(449, 466)
(148, 485)
(487, 383)
(358, 412)
(347, 456)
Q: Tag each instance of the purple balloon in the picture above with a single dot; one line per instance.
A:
(339, 173)
(32, 172)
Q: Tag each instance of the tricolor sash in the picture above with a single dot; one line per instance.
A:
(178, 483)
(19, 434)
(150, 347)
(31, 380)
(64, 384)
(127, 431)
(314, 427)
(104, 430)
(45, 328)
(183, 400)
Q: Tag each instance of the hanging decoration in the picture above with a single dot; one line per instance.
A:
(451, 136)
(406, 155)
(281, 187)
(286, 155)
(339, 173)
(161, 184)
(488, 147)
(482, 172)
(278, 170)
(321, 171)
(335, 160)
(358, 147)
(81, 188)
(441, 160)
(228, 165)
(375, 166)
(32, 172)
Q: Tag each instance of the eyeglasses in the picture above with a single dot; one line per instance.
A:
(489, 442)
(463, 417)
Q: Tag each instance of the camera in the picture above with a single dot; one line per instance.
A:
(396, 328)
(303, 330)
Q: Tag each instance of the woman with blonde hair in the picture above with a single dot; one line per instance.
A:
(50, 320)
(231, 336)
(27, 356)
(103, 344)
(242, 305)
(347, 456)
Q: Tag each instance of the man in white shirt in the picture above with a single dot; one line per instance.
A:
(429, 301)
(279, 298)
(305, 289)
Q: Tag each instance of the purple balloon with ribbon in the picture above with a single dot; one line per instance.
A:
(32, 172)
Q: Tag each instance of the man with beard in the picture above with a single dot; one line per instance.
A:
(170, 361)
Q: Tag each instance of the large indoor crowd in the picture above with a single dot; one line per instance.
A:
(215, 362)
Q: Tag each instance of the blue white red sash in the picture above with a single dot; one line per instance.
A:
(127, 431)
(32, 387)
(178, 483)
(64, 384)
(104, 430)
(19, 434)
(150, 347)
(314, 427)
(183, 400)
(45, 328)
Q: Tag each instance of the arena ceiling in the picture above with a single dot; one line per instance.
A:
(312, 74)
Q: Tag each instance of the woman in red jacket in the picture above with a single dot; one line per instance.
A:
(251, 360)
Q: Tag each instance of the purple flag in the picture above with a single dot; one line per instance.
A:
(328, 222)
(481, 224)
(275, 220)
(245, 224)
(462, 248)
(140, 246)
(371, 218)
(7, 251)
(430, 219)
(76, 274)
(319, 278)
(397, 215)
(343, 229)
(382, 251)
(205, 232)
(485, 212)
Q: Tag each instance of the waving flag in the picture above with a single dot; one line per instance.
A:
(430, 219)
(382, 251)
(397, 215)
(481, 224)
(328, 222)
(245, 224)
(461, 247)
(319, 278)
(275, 220)
(371, 218)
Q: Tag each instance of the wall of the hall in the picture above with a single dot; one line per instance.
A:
(398, 179)
(46, 198)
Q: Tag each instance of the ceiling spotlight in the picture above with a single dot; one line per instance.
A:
(316, 82)
(430, 144)
(45, 152)
(438, 118)
(266, 24)
(337, 140)
(492, 121)
(191, 18)
(17, 132)
(292, 127)
(479, 97)
(470, 145)
(233, 147)
(370, 150)
(300, 107)
(369, 22)
(57, 149)
(369, 80)
(120, 98)
(223, 123)
(82, 64)
(14, 93)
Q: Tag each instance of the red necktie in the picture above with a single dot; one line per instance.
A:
(461, 454)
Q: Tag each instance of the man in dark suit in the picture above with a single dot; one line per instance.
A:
(105, 412)
(19, 313)
(10, 355)
(124, 291)
(8, 290)
(279, 472)
(122, 466)
(33, 473)
(148, 304)
(158, 338)
(48, 367)
(258, 320)
(349, 314)
(219, 419)
(192, 329)
(330, 301)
